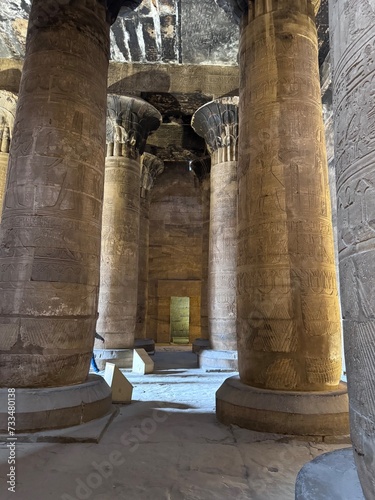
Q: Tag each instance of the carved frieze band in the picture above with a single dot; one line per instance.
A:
(151, 168)
(217, 123)
(8, 103)
(130, 120)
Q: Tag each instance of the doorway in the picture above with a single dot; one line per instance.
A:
(180, 320)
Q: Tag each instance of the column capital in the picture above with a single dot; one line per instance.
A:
(130, 120)
(8, 103)
(238, 8)
(217, 123)
(151, 168)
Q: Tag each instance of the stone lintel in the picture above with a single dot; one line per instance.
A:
(124, 78)
(56, 407)
(213, 80)
(320, 414)
(130, 120)
(217, 123)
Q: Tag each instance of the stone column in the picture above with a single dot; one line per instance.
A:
(202, 168)
(352, 26)
(217, 122)
(289, 340)
(151, 168)
(51, 222)
(130, 121)
(8, 103)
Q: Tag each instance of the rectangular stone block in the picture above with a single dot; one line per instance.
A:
(142, 363)
(122, 389)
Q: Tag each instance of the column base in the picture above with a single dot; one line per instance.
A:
(218, 361)
(147, 344)
(200, 345)
(331, 475)
(312, 414)
(122, 358)
(56, 407)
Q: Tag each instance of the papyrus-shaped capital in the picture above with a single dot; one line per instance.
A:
(130, 120)
(8, 103)
(217, 123)
(151, 168)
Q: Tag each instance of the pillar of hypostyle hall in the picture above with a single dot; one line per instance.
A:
(151, 168)
(51, 222)
(202, 167)
(217, 123)
(352, 27)
(130, 120)
(289, 338)
(8, 103)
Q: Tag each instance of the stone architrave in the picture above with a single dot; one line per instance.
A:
(151, 168)
(288, 320)
(352, 26)
(129, 122)
(202, 168)
(217, 123)
(8, 103)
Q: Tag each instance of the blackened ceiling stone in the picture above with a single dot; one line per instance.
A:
(114, 6)
(175, 31)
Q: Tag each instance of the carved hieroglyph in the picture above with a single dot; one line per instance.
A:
(151, 168)
(288, 312)
(130, 120)
(8, 103)
(353, 58)
(202, 168)
(50, 230)
(217, 122)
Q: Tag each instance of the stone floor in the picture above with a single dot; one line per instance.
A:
(165, 445)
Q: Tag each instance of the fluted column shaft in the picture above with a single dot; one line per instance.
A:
(288, 313)
(151, 168)
(217, 122)
(130, 120)
(352, 26)
(50, 231)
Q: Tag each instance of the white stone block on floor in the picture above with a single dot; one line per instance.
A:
(122, 389)
(142, 363)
